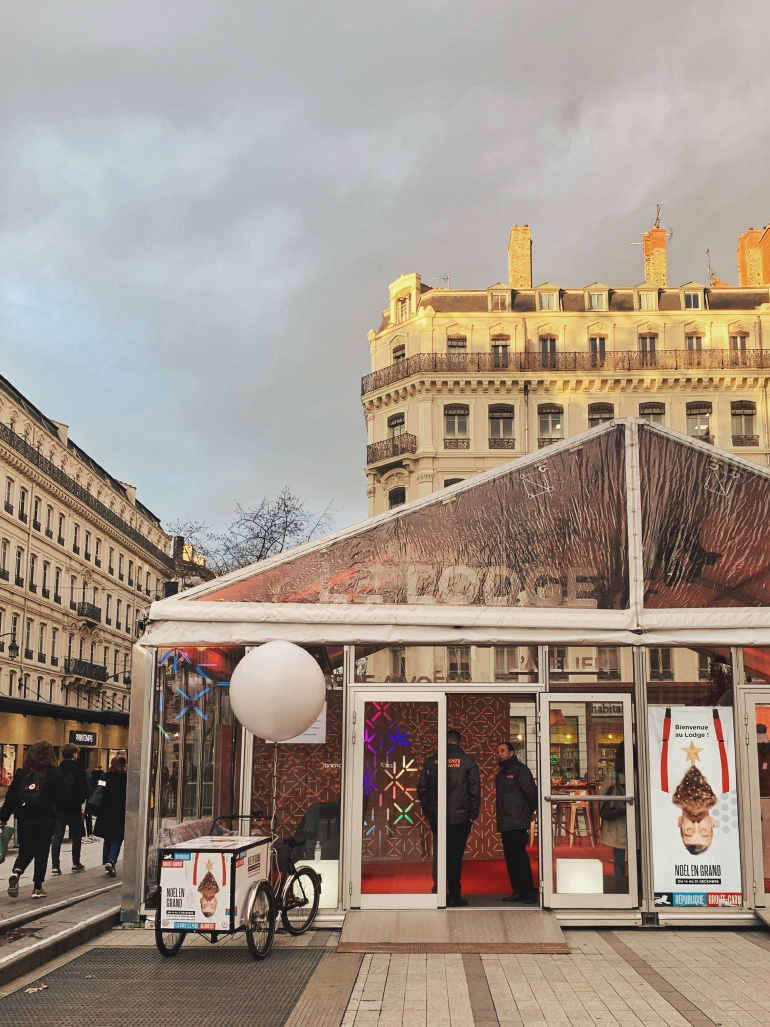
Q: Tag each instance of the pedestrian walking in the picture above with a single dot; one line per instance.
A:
(111, 816)
(93, 780)
(463, 794)
(75, 791)
(612, 815)
(33, 798)
(515, 802)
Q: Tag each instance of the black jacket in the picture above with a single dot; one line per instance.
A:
(463, 787)
(51, 802)
(515, 795)
(111, 818)
(75, 786)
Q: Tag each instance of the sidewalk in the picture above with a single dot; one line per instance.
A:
(622, 978)
(626, 978)
(59, 889)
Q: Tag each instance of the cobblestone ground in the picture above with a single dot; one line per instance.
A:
(629, 978)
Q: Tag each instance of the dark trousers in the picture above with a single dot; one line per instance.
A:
(34, 844)
(619, 866)
(456, 840)
(111, 850)
(73, 821)
(517, 861)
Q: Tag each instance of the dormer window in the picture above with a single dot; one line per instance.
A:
(546, 301)
(403, 307)
(647, 300)
(499, 301)
(693, 301)
(597, 301)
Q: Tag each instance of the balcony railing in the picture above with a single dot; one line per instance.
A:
(542, 443)
(84, 669)
(387, 449)
(622, 360)
(745, 440)
(30, 453)
(89, 612)
(502, 443)
(457, 443)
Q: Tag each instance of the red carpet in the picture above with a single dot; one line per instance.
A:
(480, 877)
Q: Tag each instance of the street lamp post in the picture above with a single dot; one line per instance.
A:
(13, 645)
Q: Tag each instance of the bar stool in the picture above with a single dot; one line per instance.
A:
(581, 824)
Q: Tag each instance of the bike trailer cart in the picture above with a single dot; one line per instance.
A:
(216, 885)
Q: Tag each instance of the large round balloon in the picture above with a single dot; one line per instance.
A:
(277, 691)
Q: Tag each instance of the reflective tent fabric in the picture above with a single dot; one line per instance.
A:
(546, 533)
(704, 521)
(629, 533)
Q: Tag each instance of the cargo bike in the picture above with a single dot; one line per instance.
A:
(225, 883)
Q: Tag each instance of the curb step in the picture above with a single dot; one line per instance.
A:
(42, 950)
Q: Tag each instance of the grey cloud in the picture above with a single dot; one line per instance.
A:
(205, 201)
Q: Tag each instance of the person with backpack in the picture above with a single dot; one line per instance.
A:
(111, 814)
(70, 814)
(33, 797)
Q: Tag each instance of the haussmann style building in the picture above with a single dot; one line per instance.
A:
(81, 559)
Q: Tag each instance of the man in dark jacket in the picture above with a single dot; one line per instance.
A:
(70, 813)
(463, 795)
(515, 802)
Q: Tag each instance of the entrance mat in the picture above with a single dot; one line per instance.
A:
(216, 986)
(457, 930)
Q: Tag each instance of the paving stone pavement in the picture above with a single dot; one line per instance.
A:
(631, 978)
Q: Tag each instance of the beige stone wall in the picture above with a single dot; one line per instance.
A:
(520, 257)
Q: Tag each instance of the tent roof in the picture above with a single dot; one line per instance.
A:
(628, 529)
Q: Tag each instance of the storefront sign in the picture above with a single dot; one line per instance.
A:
(606, 709)
(315, 734)
(83, 737)
(696, 851)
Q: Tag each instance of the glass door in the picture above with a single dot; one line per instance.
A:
(758, 741)
(398, 859)
(587, 812)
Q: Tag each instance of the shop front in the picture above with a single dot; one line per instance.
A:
(608, 620)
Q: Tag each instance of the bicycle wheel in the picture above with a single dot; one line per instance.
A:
(300, 900)
(260, 920)
(168, 943)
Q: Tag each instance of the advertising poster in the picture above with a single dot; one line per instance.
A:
(694, 805)
(195, 886)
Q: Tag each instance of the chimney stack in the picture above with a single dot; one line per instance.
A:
(655, 257)
(749, 259)
(520, 258)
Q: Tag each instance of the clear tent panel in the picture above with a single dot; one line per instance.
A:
(545, 531)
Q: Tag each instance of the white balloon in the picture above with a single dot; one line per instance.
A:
(277, 691)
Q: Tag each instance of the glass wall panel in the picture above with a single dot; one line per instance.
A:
(455, 663)
(762, 721)
(590, 668)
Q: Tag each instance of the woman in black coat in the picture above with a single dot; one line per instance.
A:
(111, 817)
(33, 798)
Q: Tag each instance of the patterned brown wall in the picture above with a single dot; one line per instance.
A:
(307, 774)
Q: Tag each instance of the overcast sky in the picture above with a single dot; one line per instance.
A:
(203, 201)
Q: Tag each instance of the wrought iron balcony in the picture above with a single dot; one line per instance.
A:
(502, 443)
(35, 457)
(389, 449)
(457, 443)
(542, 443)
(89, 612)
(36, 525)
(567, 361)
(48, 533)
(84, 669)
(5, 575)
(8, 507)
(745, 440)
